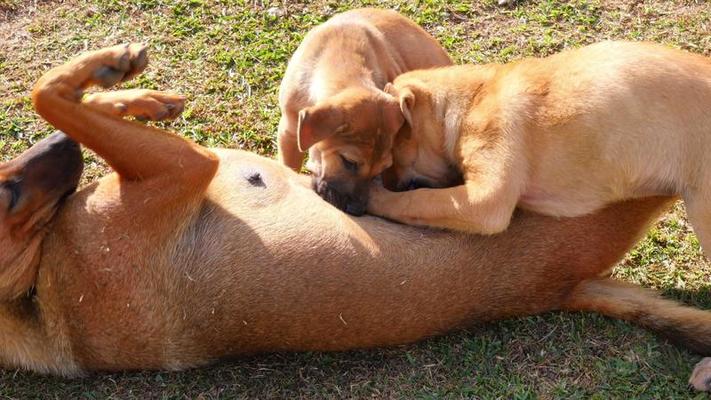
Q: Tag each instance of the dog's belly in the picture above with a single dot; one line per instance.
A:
(560, 204)
(582, 199)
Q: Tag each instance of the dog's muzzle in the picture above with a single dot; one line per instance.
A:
(352, 201)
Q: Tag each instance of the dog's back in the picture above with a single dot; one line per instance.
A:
(354, 45)
(617, 120)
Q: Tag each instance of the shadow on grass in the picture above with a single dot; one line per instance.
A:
(557, 355)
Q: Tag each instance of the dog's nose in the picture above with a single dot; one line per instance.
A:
(355, 208)
(351, 203)
(52, 164)
(59, 141)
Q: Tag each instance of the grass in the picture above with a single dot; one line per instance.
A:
(228, 56)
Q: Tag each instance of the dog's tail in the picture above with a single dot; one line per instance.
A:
(683, 325)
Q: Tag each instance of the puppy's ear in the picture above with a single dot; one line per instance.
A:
(317, 123)
(407, 103)
(391, 114)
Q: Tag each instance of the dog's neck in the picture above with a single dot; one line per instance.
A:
(450, 112)
(18, 272)
(452, 109)
(24, 343)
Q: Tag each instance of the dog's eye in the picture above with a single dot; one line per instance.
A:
(14, 188)
(349, 165)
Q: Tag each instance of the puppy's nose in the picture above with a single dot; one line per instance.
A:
(355, 208)
(333, 193)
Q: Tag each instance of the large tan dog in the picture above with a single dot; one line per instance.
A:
(563, 136)
(332, 101)
(186, 255)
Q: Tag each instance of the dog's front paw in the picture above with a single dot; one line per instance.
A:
(117, 64)
(143, 104)
(378, 199)
(701, 377)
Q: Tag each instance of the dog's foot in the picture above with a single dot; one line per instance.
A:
(379, 199)
(105, 67)
(117, 64)
(143, 104)
(701, 377)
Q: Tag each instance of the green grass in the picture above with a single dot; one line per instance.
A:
(228, 56)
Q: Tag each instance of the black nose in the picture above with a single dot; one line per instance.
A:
(355, 208)
(59, 141)
(353, 203)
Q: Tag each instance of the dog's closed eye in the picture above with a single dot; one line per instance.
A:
(349, 165)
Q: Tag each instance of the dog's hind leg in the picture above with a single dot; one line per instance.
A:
(698, 208)
(686, 326)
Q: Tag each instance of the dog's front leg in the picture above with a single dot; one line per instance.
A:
(288, 148)
(133, 150)
(143, 104)
(472, 207)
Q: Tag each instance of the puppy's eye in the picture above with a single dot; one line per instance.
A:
(349, 165)
(14, 188)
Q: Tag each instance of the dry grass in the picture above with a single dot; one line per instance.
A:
(228, 57)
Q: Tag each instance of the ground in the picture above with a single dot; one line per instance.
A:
(228, 57)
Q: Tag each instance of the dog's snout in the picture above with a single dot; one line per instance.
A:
(53, 164)
(352, 202)
(59, 141)
(355, 208)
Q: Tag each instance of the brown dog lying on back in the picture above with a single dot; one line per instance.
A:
(332, 102)
(186, 255)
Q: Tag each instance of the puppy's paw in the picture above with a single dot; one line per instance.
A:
(701, 377)
(378, 198)
(116, 64)
(140, 103)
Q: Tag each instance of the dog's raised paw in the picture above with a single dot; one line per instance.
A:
(154, 105)
(119, 63)
(143, 104)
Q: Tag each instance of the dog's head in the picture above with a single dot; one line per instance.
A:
(419, 154)
(32, 187)
(349, 137)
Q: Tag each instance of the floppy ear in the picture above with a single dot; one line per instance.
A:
(392, 116)
(317, 123)
(407, 103)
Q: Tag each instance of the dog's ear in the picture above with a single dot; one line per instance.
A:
(391, 114)
(407, 103)
(317, 123)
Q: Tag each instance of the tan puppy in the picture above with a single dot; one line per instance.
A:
(186, 255)
(332, 102)
(562, 136)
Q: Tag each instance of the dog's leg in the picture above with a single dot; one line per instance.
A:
(685, 326)
(288, 147)
(143, 104)
(477, 207)
(134, 151)
(494, 178)
(698, 207)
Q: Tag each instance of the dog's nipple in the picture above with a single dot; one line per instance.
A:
(255, 179)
